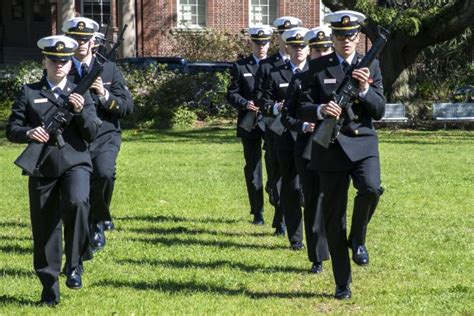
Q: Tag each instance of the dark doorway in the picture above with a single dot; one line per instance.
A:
(22, 24)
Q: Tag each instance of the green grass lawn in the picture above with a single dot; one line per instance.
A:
(184, 243)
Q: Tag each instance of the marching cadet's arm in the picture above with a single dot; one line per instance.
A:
(17, 125)
(87, 120)
(118, 100)
(290, 106)
(233, 90)
(268, 102)
(374, 100)
(308, 110)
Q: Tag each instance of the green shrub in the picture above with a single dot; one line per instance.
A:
(183, 117)
(164, 98)
(157, 94)
(14, 77)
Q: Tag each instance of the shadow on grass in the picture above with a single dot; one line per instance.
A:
(176, 219)
(174, 287)
(13, 224)
(171, 242)
(194, 231)
(11, 300)
(202, 135)
(15, 238)
(432, 142)
(9, 272)
(186, 264)
(16, 249)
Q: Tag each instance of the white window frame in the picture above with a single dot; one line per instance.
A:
(179, 15)
(103, 21)
(269, 10)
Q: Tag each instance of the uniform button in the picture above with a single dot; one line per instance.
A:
(356, 117)
(356, 132)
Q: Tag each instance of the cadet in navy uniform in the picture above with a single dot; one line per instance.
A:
(271, 162)
(239, 95)
(354, 152)
(59, 192)
(319, 41)
(113, 101)
(274, 92)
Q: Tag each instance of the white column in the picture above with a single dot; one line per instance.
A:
(66, 11)
(126, 15)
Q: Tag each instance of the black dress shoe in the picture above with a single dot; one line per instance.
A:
(97, 241)
(47, 302)
(48, 298)
(258, 219)
(297, 245)
(280, 230)
(74, 278)
(109, 225)
(343, 293)
(360, 255)
(317, 268)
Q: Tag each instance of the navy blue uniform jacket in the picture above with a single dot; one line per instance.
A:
(357, 139)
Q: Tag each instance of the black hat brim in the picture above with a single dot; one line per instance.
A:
(346, 32)
(298, 44)
(82, 38)
(58, 58)
(260, 42)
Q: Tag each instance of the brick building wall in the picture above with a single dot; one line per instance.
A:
(156, 18)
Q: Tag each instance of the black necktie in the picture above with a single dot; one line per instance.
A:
(84, 70)
(345, 66)
(297, 70)
(58, 91)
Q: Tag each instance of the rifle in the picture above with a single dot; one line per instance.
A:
(249, 121)
(345, 92)
(101, 41)
(31, 159)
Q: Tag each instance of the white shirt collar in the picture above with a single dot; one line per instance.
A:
(60, 85)
(284, 57)
(257, 60)
(349, 59)
(293, 66)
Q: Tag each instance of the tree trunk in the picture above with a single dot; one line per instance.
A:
(396, 56)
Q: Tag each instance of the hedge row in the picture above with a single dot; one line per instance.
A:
(163, 99)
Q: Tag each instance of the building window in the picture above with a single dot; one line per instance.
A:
(263, 11)
(18, 10)
(323, 11)
(97, 10)
(191, 13)
(40, 10)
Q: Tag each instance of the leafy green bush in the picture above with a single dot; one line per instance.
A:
(14, 77)
(183, 117)
(164, 98)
